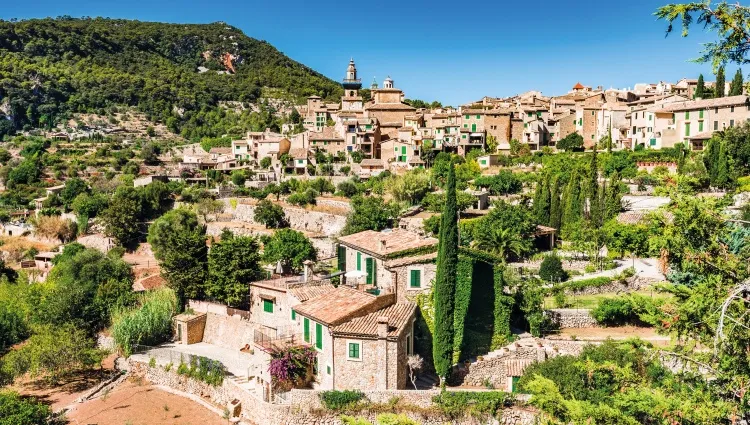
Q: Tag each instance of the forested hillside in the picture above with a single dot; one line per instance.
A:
(50, 68)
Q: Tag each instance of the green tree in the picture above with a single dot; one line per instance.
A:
(551, 269)
(239, 177)
(270, 214)
(700, 89)
(266, 161)
(612, 204)
(370, 213)
(720, 83)
(179, 243)
(592, 191)
(723, 169)
(738, 84)
(505, 243)
(121, 218)
(233, 263)
(573, 205)
(445, 282)
(542, 201)
(73, 188)
(291, 248)
(17, 410)
(571, 142)
(555, 209)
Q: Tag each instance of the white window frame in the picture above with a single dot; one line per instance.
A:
(354, 341)
(421, 278)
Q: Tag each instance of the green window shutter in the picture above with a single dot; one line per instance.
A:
(354, 350)
(268, 306)
(294, 315)
(342, 257)
(477, 116)
(416, 279)
(403, 150)
(328, 369)
(700, 126)
(306, 323)
(687, 129)
(318, 336)
(687, 115)
(467, 117)
(370, 270)
(473, 128)
(484, 162)
(359, 261)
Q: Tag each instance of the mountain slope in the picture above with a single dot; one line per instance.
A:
(50, 68)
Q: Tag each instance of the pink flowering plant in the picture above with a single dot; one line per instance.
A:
(292, 367)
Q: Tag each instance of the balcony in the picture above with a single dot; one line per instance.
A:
(269, 343)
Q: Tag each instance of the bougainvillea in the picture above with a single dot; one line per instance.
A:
(292, 367)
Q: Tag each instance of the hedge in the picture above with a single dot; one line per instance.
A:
(482, 405)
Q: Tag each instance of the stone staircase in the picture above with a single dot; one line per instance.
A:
(427, 381)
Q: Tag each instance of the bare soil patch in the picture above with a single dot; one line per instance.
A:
(140, 403)
(618, 333)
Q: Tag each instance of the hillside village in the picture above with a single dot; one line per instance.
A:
(511, 260)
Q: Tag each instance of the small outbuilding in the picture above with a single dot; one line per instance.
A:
(189, 327)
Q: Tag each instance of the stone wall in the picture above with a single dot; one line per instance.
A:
(303, 407)
(568, 318)
(633, 283)
(298, 218)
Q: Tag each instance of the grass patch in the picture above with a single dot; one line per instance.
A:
(593, 301)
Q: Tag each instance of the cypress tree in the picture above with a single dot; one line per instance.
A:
(735, 88)
(720, 81)
(445, 281)
(609, 136)
(711, 159)
(700, 89)
(542, 202)
(595, 213)
(573, 207)
(613, 201)
(554, 209)
(722, 168)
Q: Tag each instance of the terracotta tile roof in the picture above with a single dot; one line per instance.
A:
(341, 305)
(702, 136)
(371, 162)
(299, 153)
(418, 259)
(224, 151)
(396, 240)
(306, 292)
(328, 133)
(578, 86)
(706, 103)
(400, 316)
(390, 107)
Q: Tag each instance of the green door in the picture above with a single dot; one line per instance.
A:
(341, 254)
(359, 261)
(370, 270)
(514, 383)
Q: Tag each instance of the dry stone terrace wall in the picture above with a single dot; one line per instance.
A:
(304, 407)
(324, 245)
(298, 218)
(568, 318)
(633, 283)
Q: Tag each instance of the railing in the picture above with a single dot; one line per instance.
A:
(271, 343)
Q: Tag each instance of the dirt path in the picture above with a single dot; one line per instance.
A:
(137, 402)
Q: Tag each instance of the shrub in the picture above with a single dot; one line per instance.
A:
(576, 285)
(148, 324)
(203, 369)
(303, 198)
(551, 269)
(270, 214)
(392, 419)
(341, 400)
(292, 367)
(614, 312)
(457, 404)
(16, 410)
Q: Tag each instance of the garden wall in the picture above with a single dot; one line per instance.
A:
(631, 284)
(298, 218)
(304, 408)
(568, 318)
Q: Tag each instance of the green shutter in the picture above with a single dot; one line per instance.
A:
(359, 261)
(370, 270)
(306, 323)
(416, 279)
(342, 258)
(687, 115)
(473, 128)
(700, 126)
(294, 315)
(318, 336)
(687, 129)
(353, 350)
(268, 306)
(403, 150)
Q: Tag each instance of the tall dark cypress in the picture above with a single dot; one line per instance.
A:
(613, 204)
(720, 82)
(555, 212)
(736, 87)
(573, 205)
(700, 89)
(445, 282)
(595, 212)
(723, 177)
(543, 213)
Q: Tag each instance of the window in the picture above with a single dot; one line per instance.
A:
(359, 261)
(341, 257)
(328, 369)
(465, 117)
(415, 276)
(732, 109)
(268, 306)
(731, 123)
(592, 113)
(716, 110)
(354, 351)
(529, 114)
(403, 150)
(306, 334)
(716, 125)
(477, 116)
(408, 344)
(650, 129)
(318, 336)
(651, 116)
(700, 114)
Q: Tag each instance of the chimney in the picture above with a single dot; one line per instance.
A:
(382, 326)
(382, 245)
(308, 268)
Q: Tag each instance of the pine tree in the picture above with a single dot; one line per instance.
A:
(554, 209)
(445, 281)
(595, 213)
(700, 89)
(735, 88)
(722, 168)
(720, 81)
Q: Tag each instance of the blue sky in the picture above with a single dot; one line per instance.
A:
(452, 51)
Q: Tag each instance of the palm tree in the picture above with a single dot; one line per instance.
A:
(501, 242)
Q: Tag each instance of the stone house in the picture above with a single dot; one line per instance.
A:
(362, 339)
(497, 125)
(327, 140)
(189, 327)
(399, 153)
(486, 161)
(696, 117)
(299, 159)
(387, 104)
(396, 261)
(241, 150)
